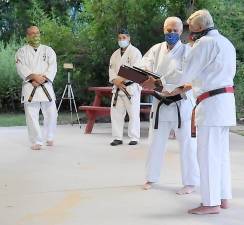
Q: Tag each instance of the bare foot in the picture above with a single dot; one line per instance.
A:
(224, 204)
(203, 210)
(50, 143)
(36, 147)
(147, 185)
(188, 189)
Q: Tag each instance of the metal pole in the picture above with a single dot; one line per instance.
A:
(71, 99)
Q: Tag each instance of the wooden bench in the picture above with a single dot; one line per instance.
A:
(96, 110)
(92, 112)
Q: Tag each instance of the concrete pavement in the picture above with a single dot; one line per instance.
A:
(83, 180)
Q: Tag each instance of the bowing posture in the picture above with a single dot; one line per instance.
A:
(171, 111)
(126, 94)
(36, 65)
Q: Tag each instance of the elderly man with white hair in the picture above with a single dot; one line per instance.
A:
(211, 67)
(171, 111)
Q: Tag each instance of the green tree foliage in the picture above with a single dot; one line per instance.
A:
(16, 15)
(144, 20)
(85, 32)
(69, 48)
(229, 19)
(9, 82)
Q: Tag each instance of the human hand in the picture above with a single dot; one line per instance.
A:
(118, 82)
(35, 84)
(39, 78)
(165, 93)
(181, 90)
(149, 83)
(176, 91)
(187, 87)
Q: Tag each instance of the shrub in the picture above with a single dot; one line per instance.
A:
(10, 85)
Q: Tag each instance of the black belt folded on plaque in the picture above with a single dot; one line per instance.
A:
(126, 93)
(167, 101)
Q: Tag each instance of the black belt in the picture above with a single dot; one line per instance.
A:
(167, 101)
(126, 93)
(44, 90)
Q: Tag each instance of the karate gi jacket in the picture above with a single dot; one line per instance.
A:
(43, 61)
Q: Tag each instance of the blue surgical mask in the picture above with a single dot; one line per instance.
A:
(172, 38)
(123, 43)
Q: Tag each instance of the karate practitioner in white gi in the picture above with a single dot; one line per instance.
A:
(126, 94)
(210, 66)
(36, 65)
(157, 60)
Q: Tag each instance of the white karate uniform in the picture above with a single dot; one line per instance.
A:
(123, 105)
(157, 59)
(42, 61)
(211, 64)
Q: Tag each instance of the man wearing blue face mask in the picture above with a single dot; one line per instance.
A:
(126, 94)
(211, 67)
(171, 111)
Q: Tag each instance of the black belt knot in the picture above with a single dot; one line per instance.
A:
(126, 93)
(167, 101)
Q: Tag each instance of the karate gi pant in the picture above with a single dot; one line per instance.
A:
(118, 113)
(214, 163)
(188, 152)
(49, 111)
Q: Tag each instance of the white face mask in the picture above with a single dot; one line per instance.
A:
(123, 44)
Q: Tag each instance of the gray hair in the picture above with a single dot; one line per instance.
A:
(176, 20)
(202, 18)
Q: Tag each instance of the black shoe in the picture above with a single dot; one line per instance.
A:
(133, 143)
(116, 142)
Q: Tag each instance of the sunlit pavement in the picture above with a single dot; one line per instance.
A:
(83, 180)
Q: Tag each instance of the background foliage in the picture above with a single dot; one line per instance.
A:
(84, 32)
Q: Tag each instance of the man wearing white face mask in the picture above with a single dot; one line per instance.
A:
(171, 111)
(126, 94)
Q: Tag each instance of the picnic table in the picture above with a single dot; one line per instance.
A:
(97, 110)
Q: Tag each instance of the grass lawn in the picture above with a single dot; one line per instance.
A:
(12, 119)
(18, 119)
(238, 131)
